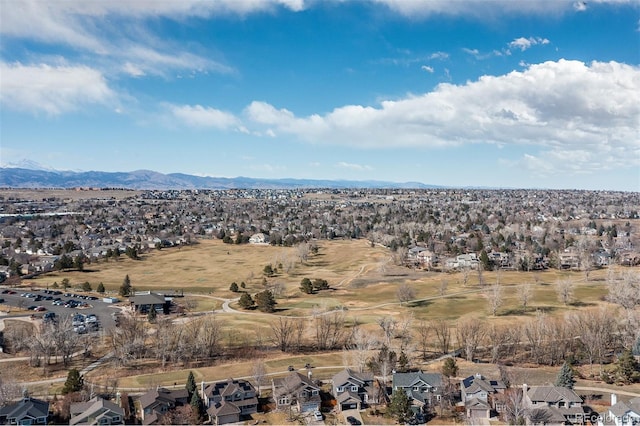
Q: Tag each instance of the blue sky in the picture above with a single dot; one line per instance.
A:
(528, 94)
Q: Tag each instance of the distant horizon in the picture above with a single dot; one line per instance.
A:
(491, 93)
(339, 183)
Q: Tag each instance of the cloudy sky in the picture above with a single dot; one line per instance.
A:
(498, 93)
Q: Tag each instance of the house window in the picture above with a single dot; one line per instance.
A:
(116, 419)
(354, 388)
(416, 388)
(340, 389)
(314, 392)
(438, 397)
(283, 400)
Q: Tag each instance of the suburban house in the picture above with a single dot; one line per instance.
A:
(423, 388)
(477, 396)
(296, 390)
(144, 302)
(353, 390)
(463, 261)
(155, 403)
(96, 411)
(228, 400)
(27, 411)
(569, 259)
(560, 404)
(622, 413)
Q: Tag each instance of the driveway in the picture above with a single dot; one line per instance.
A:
(352, 413)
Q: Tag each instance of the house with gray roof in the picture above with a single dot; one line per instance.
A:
(228, 400)
(27, 411)
(424, 389)
(622, 413)
(157, 402)
(147, 301)
(96, 411)
(296, 391)
(477, 395)
(559, 404)
(353, 390)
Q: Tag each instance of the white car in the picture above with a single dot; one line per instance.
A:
(317, 415)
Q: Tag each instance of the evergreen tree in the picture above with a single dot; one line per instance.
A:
(400, 406)
(100, 288)
(246, 302)
(74, 382)
(234, 287)
(125, 288)
(306, 286)
(86, 286)
(627, 368)
(197, 406)
(450, 368)
(403, 362)
(191, 383)
(565, 376)
(265, 301)
(320, 284)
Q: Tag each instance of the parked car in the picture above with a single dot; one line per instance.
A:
(353, 421)
(317, 415)
(40, 308)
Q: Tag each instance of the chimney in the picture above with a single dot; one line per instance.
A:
(614, 399)
(525, 388)
(202, 388)
(309, 374)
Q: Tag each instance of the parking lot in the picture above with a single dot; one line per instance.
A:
(88, 311)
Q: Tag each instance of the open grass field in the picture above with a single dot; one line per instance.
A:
(364, 282)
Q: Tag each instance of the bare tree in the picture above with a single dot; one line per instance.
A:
(469, 333)
(564, 290)
(362, 343)
(282, 331)
(388, 326)
(525, 294)
(258, 372)
(494, 298)
(66, 340)
(514, 409)
(624, 290)
(9, 388)
(595, 328)
(423, 330)
(405, 293)
(330, 330)
(496, 339)
(403, 331)
(480, 270)
(443, 334)
(209, 336)
(303, 250)
(536, 331)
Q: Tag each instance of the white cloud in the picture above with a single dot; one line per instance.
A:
(439, 55)
(52, 89)
(416, 9)
(580, 6)
(523, 43)
(352, 166)
(199, 116)
(427, 68)
(132, 70)
(560, 108)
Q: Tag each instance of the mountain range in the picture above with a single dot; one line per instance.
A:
(28, 174)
